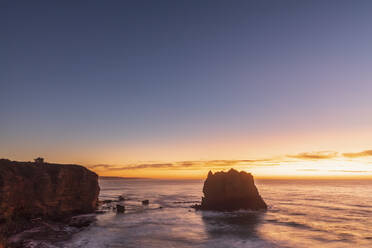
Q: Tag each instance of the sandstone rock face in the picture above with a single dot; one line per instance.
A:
(30, 190)
(229, 191)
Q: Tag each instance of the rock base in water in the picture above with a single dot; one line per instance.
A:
(230, 191)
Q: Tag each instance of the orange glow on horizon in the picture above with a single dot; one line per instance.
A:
(275, 168)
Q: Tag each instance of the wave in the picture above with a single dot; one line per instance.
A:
(292, 224)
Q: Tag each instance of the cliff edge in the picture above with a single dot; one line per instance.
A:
(52, 191)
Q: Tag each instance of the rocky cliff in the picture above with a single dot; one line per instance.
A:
(51, 191)
(229, 191)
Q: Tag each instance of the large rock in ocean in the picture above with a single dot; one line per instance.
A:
(229, 191)
(51, 191)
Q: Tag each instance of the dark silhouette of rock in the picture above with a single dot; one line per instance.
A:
(229, 191)
(145, 202)
(120, 209)
(119, 199)
(51, 191)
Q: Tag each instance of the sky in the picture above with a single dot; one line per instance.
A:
(176, 88)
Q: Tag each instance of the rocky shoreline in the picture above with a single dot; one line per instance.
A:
(48, 233)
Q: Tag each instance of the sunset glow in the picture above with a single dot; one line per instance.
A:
(280, 167)
(262, 84)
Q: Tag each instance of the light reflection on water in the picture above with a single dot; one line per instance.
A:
(301, 214)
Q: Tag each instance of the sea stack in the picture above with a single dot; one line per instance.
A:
(51, 191)
(230, 191)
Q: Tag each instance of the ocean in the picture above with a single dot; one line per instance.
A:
(309, 213)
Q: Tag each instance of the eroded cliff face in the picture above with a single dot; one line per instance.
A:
(229, 191)
(30, 190)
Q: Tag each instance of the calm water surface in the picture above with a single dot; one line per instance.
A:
(301, 214)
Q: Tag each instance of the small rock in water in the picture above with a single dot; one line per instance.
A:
(145, 202)
(120, 198)
(120, 208)
(35, 220)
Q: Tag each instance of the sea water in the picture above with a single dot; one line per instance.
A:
(309, 213)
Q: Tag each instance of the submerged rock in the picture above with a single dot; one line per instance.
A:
(82, 220)
(229, 191)
(120, 208)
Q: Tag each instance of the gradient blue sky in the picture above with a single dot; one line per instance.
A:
(116, 81)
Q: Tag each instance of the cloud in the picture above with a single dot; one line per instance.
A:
(348, 171)
(131, 167)
(358, 154)
(99, 165)
(217, 163)
(145, 166)
(189, 165)
(314, 155)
